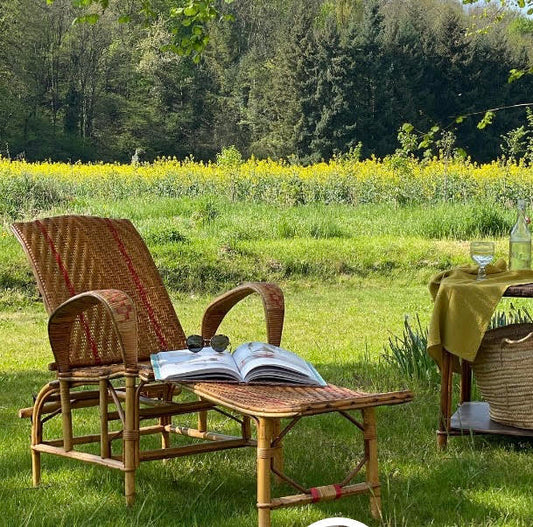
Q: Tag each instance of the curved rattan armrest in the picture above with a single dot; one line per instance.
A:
(272, 298)
(123, 316)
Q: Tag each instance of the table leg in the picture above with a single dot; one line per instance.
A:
(446, 374)
(466, 381)
(265, 430)
(277, 456)
(371, 451)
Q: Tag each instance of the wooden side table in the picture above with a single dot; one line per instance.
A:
(471, 416)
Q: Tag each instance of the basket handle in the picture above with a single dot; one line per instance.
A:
(508, 342)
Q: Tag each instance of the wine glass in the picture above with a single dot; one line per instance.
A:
(482, 253)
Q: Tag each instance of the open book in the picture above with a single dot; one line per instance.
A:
(251, 362)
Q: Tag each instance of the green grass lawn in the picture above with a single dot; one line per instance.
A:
(349, 276)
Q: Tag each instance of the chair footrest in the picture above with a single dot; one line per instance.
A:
(81, 456)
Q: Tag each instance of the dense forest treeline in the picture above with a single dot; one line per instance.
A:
(285, 79)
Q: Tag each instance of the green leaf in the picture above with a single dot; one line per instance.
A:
(87, 19)
(460, 119)
(190, 11)
(434, 129)
(171, 47)
(515, 74)
(487, 119)
(407, 127)
(124, 19)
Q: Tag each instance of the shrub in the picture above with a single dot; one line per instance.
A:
(229, 157)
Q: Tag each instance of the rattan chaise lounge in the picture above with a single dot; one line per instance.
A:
(108, 312)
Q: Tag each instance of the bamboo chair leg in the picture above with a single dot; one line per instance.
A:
(371, 450)
(264, 460)
(131, 440)
(137, 425)
(277, 457)
(165, 436)
(36, 438)
(246, 430)
(164, 421)
(37, 431)
(202, 420)
(66, 414)
(36, 468)
(105, 450)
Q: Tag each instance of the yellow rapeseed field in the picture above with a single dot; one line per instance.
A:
(395, 179)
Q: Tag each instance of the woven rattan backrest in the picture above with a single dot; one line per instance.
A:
(73, 254)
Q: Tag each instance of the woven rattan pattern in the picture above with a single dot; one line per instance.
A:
(74, 254)
(291, 400)
(504, 374)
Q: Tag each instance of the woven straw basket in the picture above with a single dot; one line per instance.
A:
(504, 372)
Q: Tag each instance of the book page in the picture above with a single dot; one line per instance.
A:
(259, 360)
(182, 365)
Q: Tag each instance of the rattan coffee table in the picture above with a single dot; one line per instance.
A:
(267, 405)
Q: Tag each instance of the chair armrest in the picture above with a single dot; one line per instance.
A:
(272, 298)
(123, 316)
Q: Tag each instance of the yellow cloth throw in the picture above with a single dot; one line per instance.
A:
(463, 307)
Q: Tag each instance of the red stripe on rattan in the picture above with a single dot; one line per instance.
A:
(72, 291)
(138, 284)
(57, 257)
(321, 493)
(315, 495)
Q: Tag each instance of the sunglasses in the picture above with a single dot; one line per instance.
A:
(196, 343)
